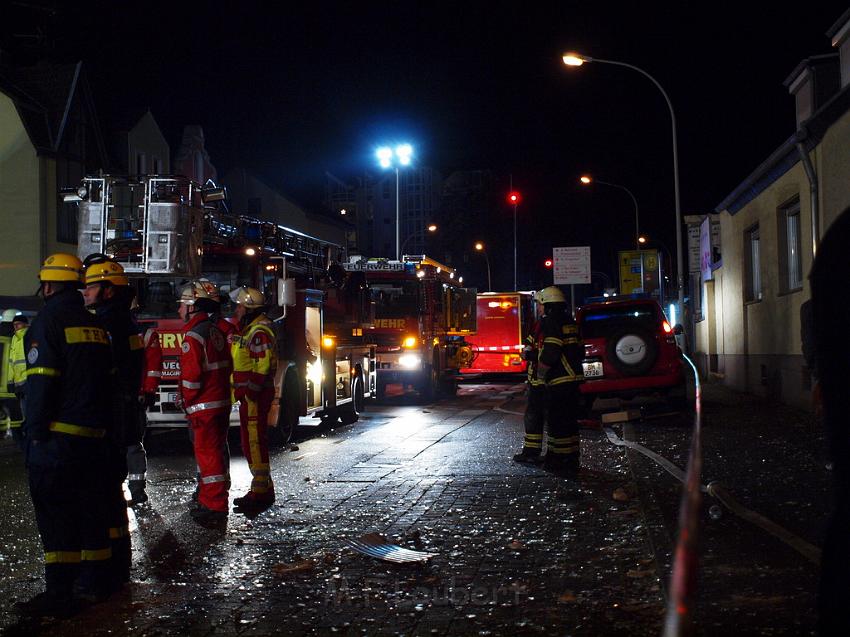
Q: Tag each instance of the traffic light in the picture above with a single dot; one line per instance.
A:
(513, 197)
(548, 264)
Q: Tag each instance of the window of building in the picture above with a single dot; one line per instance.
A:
(752, 265)
(141, 164)
(790, 244)
(157, 165)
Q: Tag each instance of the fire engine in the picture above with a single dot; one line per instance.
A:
(422, 316)
(504, 321)
(165, 230)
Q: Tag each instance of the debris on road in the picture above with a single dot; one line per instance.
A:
(620, 495)
(294, 568)
(375, 545)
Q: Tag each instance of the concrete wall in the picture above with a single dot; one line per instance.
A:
(20, 247)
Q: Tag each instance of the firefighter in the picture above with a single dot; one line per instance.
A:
(10, 406)
(535, 410)
(18, 371)
(68, 422)
(558, 363)
(152, 369)
(254, 366)
(107, 291)
(205, 367)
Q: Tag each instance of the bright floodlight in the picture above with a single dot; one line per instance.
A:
(404, 152)
(385, 156)
(574, 59)
(479, 246)
(432, 227)
(585, 179)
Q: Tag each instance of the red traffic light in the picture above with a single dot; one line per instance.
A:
(548, 263)
(513, 197)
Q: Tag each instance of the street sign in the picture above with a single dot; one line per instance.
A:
(571, 265)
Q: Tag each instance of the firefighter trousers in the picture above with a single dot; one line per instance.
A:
(562, 409)
(534, 419)
(253, 417)
(70, 510)
(118, 523)
(14, 409)
(137, 461)
(209, 437)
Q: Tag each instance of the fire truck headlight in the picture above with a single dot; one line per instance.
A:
(410, 341)
(409, 361)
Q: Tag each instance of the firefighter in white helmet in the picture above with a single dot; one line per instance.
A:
(254, 366)
(205, 397)
(555, 373)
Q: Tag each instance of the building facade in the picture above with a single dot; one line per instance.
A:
(749, 336)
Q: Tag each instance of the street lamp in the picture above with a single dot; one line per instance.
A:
(513, 199)
(389, 158)
(587, 180)
(419, 233)
(575, 59)
(480, 248)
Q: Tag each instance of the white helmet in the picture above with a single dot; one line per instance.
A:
(196, 290)
(550, 295)
(215, 293)
(251, 298)
(8, 315)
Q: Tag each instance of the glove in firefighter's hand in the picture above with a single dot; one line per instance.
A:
(178, 401)
(529, 353)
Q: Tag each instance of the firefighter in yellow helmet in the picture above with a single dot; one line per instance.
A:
(11, 409)
(555, 372)
(68, 423)
(254, 366)
(17, 371)
(108, 293)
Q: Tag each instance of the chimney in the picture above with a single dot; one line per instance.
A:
(812, 83)
(839, 35)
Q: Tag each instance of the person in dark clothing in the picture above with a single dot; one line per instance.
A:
(831, 316)
(108, 292)
(68, 421)
(558, 363)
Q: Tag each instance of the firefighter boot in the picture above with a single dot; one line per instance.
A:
(253, 502)
(138, 495)
(207, 517)
(565, 466)
(528, 456)
(48, 604)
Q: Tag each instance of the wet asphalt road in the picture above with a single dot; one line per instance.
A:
(519, 551)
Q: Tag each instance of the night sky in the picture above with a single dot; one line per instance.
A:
(290, 91)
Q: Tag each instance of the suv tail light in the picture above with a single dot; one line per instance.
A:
(667, 328)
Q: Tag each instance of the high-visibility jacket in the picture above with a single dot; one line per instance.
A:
(18, 361)
(254, 359)
(5, 372)
(561, 349)
(204, 367)
(69, 379)
(152, 370)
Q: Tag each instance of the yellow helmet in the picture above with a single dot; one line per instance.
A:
(61, 267)
(251, 298)
(550, 295)
(106, 271)
(197, 290)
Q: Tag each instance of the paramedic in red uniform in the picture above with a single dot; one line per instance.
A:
(205, 368)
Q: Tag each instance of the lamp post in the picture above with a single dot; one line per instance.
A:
(575, 59)
(480, 248)
(587, 180)
(393, 158)
(419, 233)
(513, 198)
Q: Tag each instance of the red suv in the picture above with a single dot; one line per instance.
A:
(629, 350)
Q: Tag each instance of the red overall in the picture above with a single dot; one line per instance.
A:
(205, 388)
(254, 366)
(152, 373)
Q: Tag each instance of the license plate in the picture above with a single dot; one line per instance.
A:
(592, 370)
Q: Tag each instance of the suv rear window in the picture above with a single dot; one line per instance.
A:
(601, 322)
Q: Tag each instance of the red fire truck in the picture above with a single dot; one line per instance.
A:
(422, 316)
(166, 230)
(504, 320)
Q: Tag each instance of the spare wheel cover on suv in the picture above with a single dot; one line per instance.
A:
(632, 351)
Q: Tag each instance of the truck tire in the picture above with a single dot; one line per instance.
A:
(288, 414)
(448, 386)
(380, 391)
(350, 414)
(427, 386)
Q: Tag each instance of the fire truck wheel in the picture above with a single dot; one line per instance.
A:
(428, 383)
(448, 386)
(288, 414)
(349, 414)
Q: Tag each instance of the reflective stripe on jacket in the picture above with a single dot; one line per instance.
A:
(152, 370)
(204, 366)
(255, 358)
(561, 350)
(18, 360)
